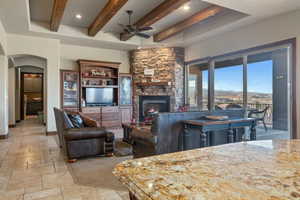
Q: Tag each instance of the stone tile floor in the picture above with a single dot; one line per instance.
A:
(32, 167)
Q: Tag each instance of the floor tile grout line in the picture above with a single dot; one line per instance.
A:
(48, 161)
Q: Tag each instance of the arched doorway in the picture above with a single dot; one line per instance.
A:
(27, 88)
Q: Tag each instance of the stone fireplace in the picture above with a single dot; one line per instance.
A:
(166, 79)
(158, 103)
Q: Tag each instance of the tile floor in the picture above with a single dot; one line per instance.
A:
(33, 168)
(271, 134)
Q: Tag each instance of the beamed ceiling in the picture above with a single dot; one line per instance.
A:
(167, 17)
(99, 26)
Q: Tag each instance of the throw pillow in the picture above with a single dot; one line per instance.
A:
(89, 122)
(76, 120)
(67, 122)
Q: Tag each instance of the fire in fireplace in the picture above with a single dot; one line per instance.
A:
(153, 104)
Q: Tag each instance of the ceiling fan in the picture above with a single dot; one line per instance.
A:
(132, 29)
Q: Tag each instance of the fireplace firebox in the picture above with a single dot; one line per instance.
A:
(157, 103)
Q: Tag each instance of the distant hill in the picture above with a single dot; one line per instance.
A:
(230, 93)
(235, 93)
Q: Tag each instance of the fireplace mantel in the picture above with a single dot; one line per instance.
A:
(144, 85)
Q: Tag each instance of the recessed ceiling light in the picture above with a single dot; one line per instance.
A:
(78, 16)
(186, 7)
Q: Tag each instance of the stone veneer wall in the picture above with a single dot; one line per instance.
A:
(168, 65)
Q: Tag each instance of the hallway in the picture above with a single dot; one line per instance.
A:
(32, 167)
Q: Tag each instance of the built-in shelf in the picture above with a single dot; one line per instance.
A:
(70, 90)
(153, 84)
(100, 86)
(100, 77)
(70, 97)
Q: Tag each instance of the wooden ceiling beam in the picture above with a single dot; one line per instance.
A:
(57, 14)
(105, 15)
(162, 10)
(183, 25)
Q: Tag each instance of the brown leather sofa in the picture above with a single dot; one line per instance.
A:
(166, 134)
(82, 142)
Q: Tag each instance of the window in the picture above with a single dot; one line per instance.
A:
(228, 84)
(198, 86)
(260, 84)
(258, 81)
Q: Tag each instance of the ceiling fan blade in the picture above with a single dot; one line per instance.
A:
(122, 25)
(143, 35)
(126, 31)
(145, 29)
(130, 28)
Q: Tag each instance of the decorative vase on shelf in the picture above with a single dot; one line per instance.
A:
(108, 74)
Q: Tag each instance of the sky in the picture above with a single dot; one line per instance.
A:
(231, 78)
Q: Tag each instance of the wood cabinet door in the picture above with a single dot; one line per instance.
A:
(110, 117)
(126, 114)
(92, 112)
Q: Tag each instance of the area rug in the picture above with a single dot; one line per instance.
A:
(122, 148)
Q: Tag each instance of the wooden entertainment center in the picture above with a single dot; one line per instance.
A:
(103, 93)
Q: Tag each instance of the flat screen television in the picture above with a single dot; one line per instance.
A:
(99, 96)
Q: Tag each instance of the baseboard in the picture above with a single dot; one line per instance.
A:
(49, 133)
(3, 137)
(12, 126)
(18, 121)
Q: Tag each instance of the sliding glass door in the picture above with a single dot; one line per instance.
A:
(268, 92)
(256, 81)
(260, 87)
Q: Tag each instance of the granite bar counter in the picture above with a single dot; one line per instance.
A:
(256, 170)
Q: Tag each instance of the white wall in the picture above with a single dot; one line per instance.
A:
(3, 95)
(3, 82)
(50, 50)
(70, 54)
(11, 95)
(3, 40)
(17, 95)
(30, 61)
(270, 30)
(31, 69)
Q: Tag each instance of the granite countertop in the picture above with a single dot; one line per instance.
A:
(241, 171)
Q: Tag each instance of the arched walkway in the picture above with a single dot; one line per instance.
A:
(20, 64)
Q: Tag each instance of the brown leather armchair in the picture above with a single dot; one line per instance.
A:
(82, 142)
